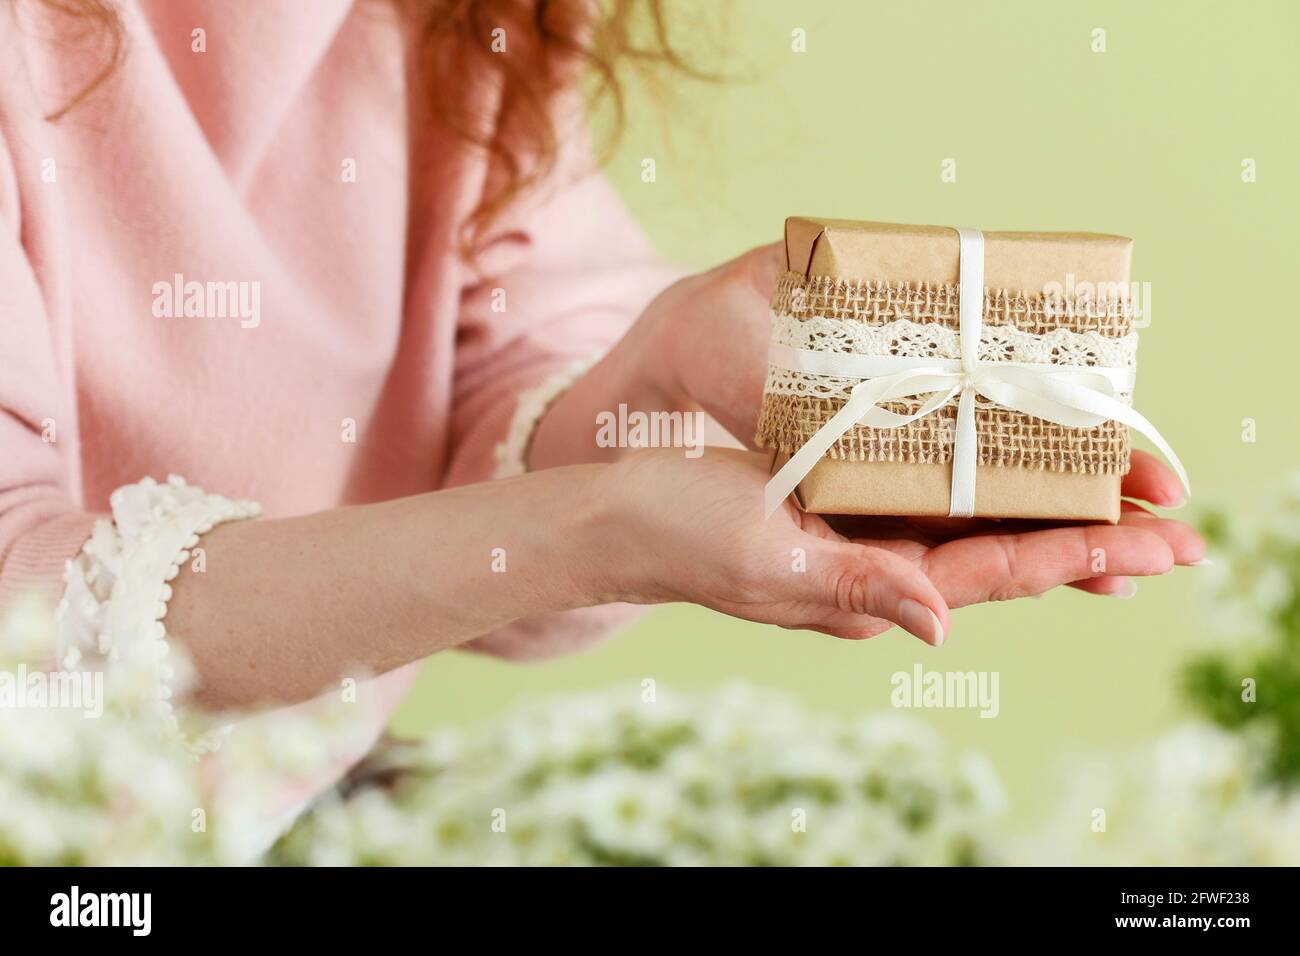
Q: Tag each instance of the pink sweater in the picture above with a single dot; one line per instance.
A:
(233, 166)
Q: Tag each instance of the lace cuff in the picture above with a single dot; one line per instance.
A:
(116, 589)
(512, 453)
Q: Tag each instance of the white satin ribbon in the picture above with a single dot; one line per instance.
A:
(1074, 396)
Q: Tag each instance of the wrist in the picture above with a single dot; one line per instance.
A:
(581, 549)
(627, 536)
(632, 374)
(654, 358)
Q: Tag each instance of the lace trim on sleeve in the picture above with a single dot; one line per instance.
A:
(117, 588)
(512, 453)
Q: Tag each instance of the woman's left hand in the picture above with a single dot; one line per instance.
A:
(708, 335)
(701, 344)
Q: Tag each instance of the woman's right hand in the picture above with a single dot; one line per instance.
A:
(693, 530)
(287, 606)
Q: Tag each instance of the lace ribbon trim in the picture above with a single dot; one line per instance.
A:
(908, 339)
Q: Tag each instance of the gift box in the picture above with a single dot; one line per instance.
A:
(876, 404)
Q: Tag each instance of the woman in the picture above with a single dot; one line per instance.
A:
(347, 260)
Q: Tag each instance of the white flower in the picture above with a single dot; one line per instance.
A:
(118, 789)
(1187, 800)
(735, 777)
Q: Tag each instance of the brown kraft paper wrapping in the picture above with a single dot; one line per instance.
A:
(829, 260)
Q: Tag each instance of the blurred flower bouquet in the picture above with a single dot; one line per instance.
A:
(103, 783)
(1225, 791)
(1194, 798)
(736, 777)
(78, 788)
(732, 777)
(1250, 680)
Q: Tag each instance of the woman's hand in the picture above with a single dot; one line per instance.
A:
(700, 344)
(703, 343)
(368, 588)
(706, 337)
(693, 530)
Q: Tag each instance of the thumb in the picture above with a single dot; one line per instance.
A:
(763, 264)
(858, 579)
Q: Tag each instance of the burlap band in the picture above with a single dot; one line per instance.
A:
(881, 302)
(1006, 437)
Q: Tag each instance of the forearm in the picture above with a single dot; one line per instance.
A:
(286, 608)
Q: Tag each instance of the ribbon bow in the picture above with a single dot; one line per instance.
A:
(1074, 396)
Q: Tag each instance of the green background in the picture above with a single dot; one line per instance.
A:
(1146, 140)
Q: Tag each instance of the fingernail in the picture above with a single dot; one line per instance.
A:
(1129, 589)
(1204, 562)
(918, 619)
